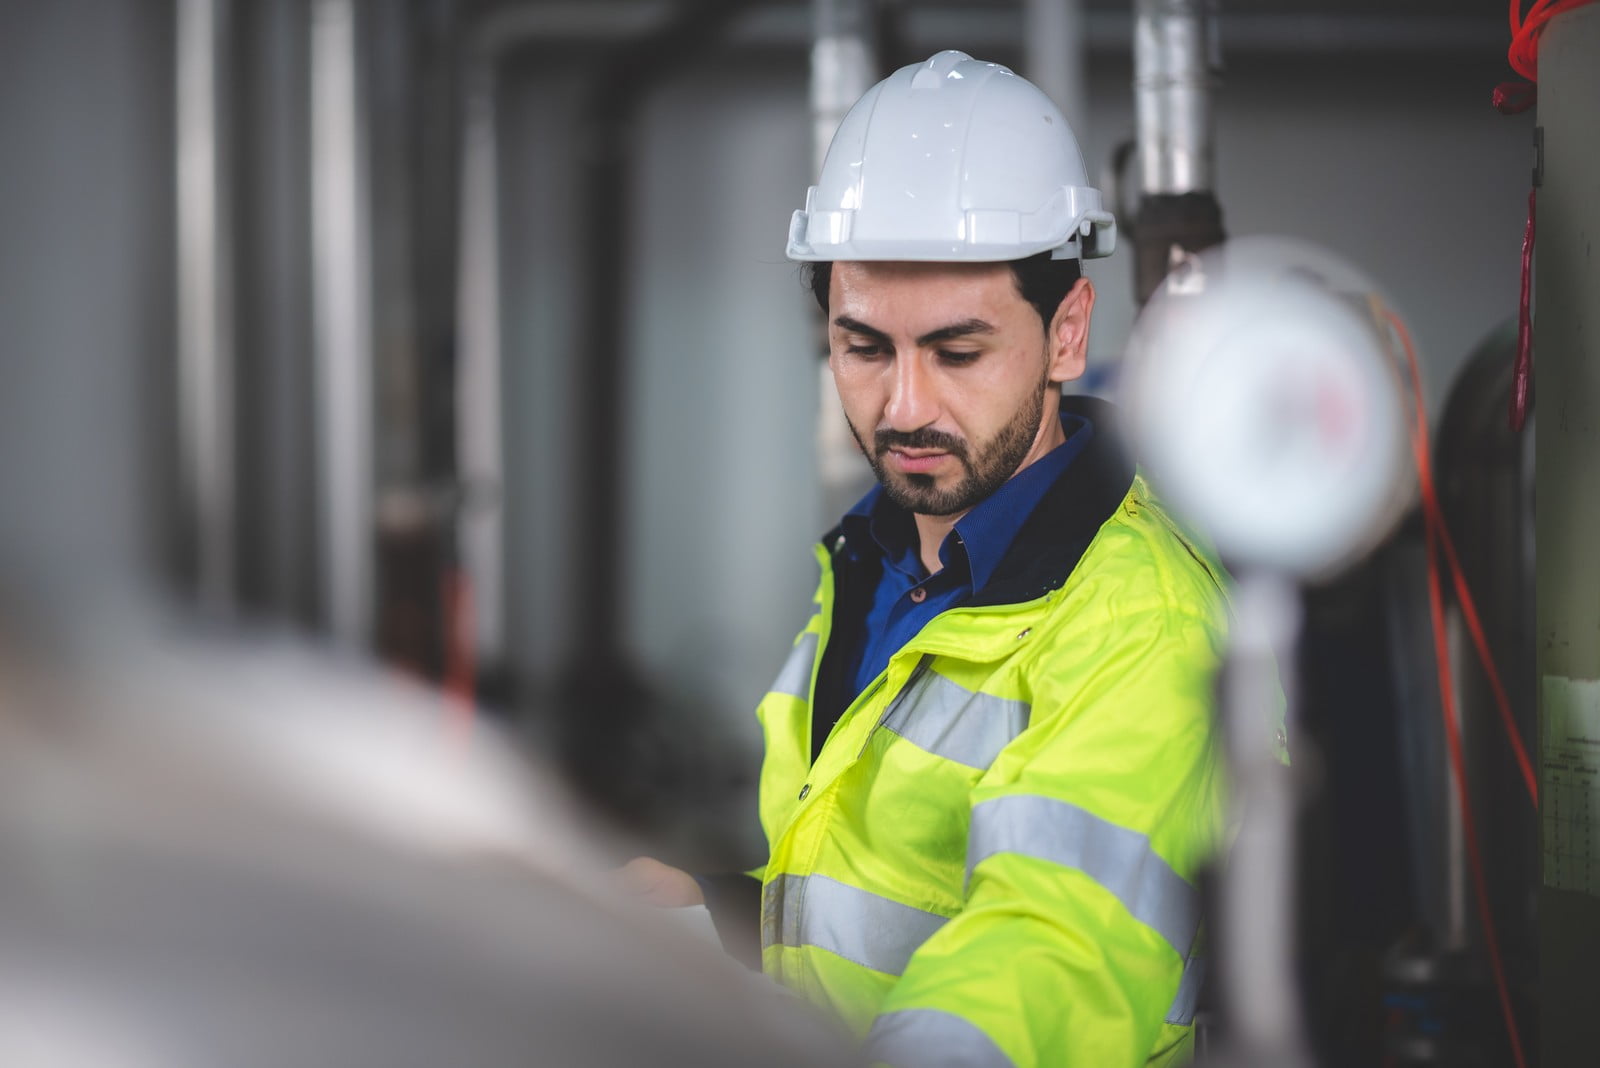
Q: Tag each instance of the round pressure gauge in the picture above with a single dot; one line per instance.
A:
(1266, 404)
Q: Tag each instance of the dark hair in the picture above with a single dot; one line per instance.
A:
(1042, 281)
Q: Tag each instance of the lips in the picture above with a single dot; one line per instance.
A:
(917, 461)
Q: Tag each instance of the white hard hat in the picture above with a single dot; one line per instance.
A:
(952, 159)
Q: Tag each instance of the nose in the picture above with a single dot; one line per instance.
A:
(913, 401)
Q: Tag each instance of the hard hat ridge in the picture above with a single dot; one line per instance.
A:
(952, 159)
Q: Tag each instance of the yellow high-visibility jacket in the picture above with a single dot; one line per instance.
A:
(993, 859)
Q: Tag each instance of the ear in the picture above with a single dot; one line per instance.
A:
(1068, 334)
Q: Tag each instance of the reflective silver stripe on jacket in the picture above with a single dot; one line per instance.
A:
(928, 1038)
(1120, 860)
(795, 678)
(861, 927)
(951, 721)
(1183, 1005)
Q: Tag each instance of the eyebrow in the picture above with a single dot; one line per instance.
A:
(964, 328)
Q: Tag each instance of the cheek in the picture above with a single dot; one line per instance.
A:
(858, 387)
(986, 408)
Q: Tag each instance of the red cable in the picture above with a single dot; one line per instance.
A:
(1437, 536)
(1523, 55)
(1434, 514)
(1458, 764)
(1469, 613)
(1522, 370)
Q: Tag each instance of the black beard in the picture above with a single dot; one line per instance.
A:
(986, 472)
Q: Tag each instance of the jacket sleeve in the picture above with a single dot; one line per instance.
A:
(1076, 940)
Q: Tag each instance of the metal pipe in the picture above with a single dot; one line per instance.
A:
(843, 67)
(342, 322)
(206, 357)
(1055, 49)
(619, 89)
(480, 458)
(1173, 56)
(1173, 76)
(1261, 993)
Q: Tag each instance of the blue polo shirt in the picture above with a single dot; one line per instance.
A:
(906, 596)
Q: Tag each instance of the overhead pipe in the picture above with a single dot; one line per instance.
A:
(479, 364)
(652, 42)
(1175, 62)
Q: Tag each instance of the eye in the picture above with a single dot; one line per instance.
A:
(959, 358)
(865, 350)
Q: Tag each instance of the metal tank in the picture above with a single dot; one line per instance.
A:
(1440, 992)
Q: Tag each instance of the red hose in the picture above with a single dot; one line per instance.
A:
(1523, 54)
(1522, 370)
(1439, 544)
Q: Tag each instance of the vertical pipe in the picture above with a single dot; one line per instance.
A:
(342, 323)
(843, 67)
(205, 301)
(1261, 992)
(1172, 96)
(1174, 57)
(277, 537)
(478, 368)
(1055, 57)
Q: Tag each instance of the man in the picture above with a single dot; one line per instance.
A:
(989, 781)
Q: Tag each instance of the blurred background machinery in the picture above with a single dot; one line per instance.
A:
(458, 333)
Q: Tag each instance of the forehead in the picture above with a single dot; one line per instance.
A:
(911, 295)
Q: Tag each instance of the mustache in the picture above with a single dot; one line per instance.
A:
(925, 438)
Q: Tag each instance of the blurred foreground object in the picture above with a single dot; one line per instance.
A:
(220, 854)
(1267, 405)
(1263, 394)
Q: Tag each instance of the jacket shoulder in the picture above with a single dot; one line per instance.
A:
(1143, 559)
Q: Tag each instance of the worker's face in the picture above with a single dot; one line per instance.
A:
(948, 379)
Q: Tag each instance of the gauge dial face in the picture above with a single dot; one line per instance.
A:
(1267, 408)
